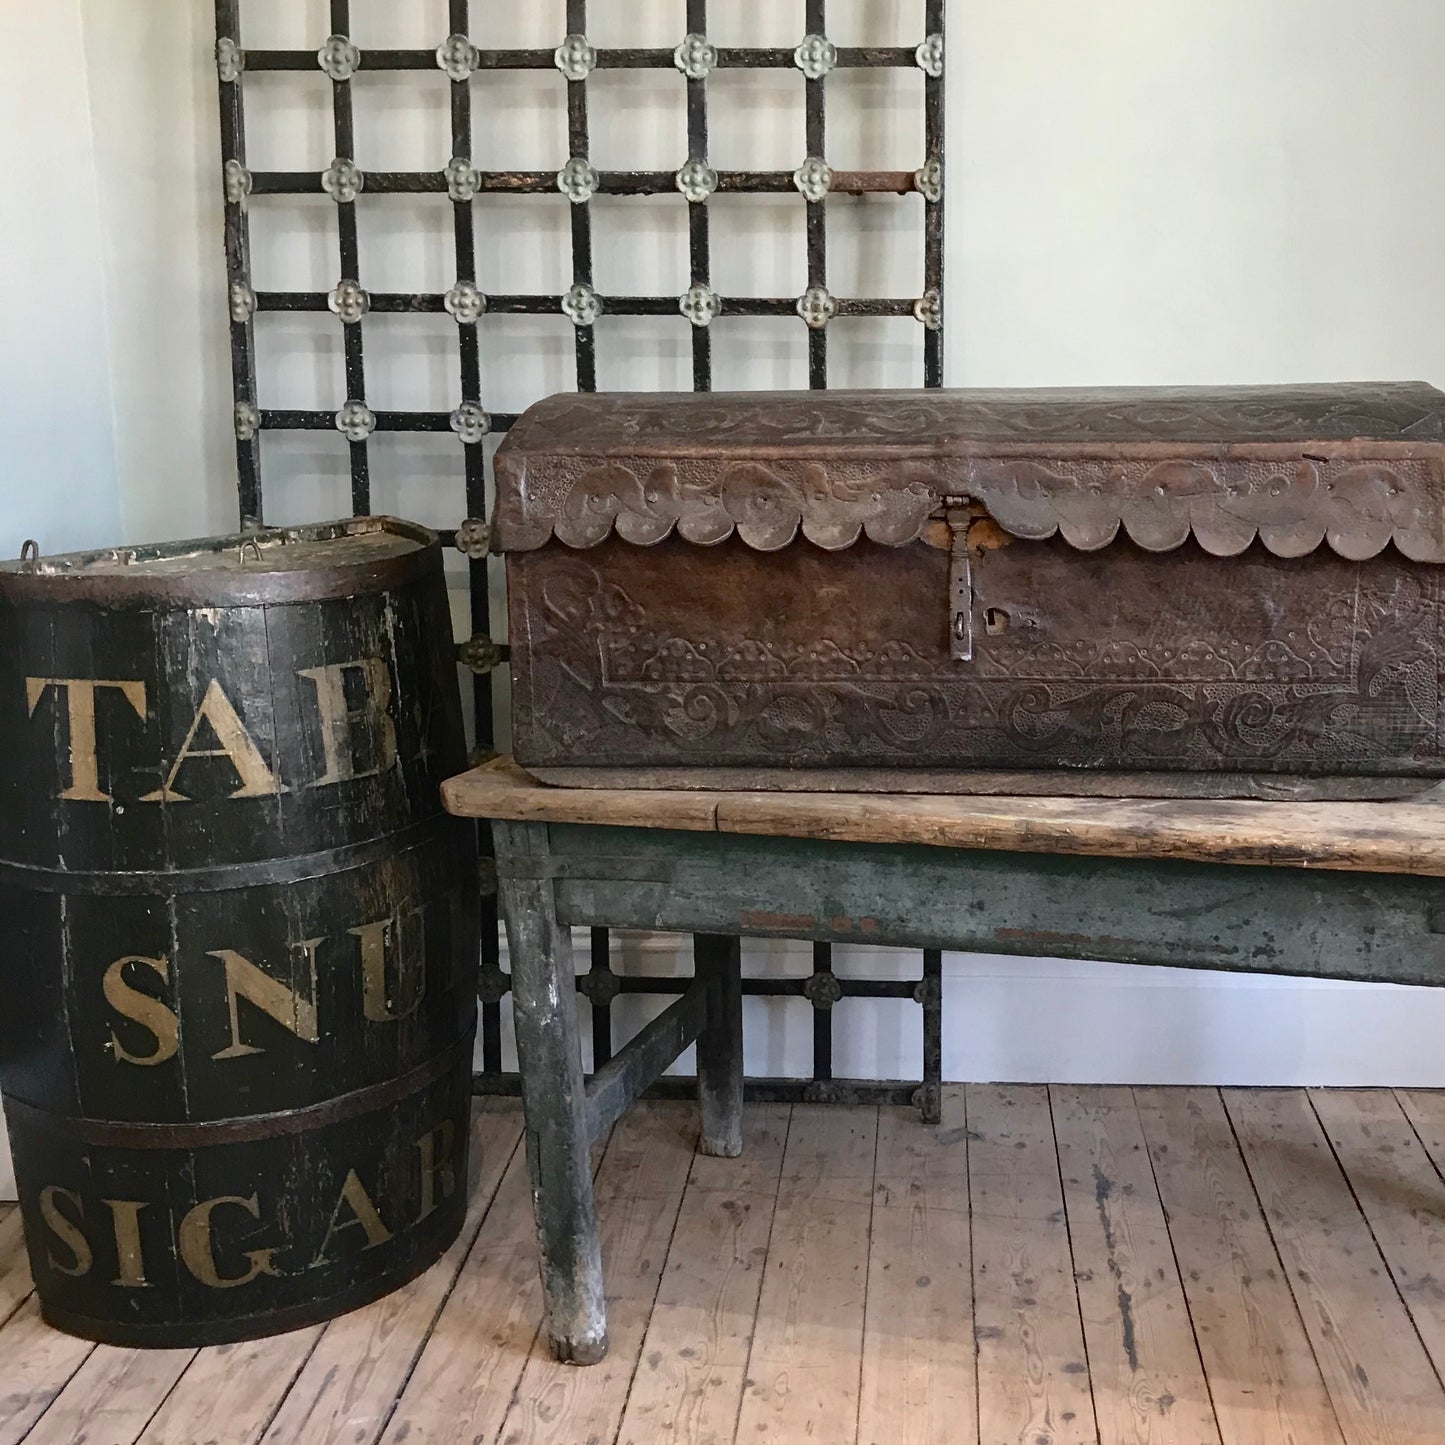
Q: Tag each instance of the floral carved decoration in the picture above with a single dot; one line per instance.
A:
(765, 507)
(1293, 506)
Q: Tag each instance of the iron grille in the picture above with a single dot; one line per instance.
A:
(467, 187)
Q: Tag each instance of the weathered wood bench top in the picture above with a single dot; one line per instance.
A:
(1382, 837)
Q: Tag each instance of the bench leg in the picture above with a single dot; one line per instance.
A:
(554, 1101)
(720, 1046)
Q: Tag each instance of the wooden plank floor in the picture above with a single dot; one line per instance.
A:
(1051, 1266)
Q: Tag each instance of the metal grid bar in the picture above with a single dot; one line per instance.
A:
(609, 183)
(699, 229)
(615, 58)
(467, 187)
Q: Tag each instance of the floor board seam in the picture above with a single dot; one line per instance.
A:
(281, 1399)
(539, 1334)
(1284, 1269)
(165, 1395)
(1073, 1261)
(867, 1279)
(1178, 1268)
(17, 1307)
(1414, 1129)
(600, 1146)
(972, 1264)
(656, 1289)
(31, 1428)
(541, 1328)
(961, 1094)
(426, 1335)
(1374, 1238)
(516, 1392)
(763, 1281)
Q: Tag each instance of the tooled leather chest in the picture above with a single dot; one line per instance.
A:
(1167, 591)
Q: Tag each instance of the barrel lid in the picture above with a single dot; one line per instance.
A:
(272, 564)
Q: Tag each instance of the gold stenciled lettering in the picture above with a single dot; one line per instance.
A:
(404, 935)
(257, 780)
(150, 1013)
(198, 1250)
(67, 1231)
(130, 1261)
(291, 1010)
(363, 1213)
(339, 718)
(84, 785)
(436, 1148)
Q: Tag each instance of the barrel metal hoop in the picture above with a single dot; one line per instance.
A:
(64, 580)
(227, 876)
(184, 591)
(124, 1134)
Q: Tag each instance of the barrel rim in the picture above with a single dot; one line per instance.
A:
(23, 582)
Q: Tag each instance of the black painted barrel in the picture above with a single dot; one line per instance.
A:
(240, 935)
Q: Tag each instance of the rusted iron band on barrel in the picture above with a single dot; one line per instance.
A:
(124, 1134)
(136, 575)
(225, 877)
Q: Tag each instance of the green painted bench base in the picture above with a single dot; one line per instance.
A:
(1383, 928)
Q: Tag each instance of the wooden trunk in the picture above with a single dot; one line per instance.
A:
(241, 934)
(1159, 592)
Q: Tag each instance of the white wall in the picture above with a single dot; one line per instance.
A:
(57, 447)
(1197, 191)
(1237, 190)
(153, 101)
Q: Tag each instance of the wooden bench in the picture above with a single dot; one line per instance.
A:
(1330, 890)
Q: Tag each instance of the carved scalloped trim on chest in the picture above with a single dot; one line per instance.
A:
(1292, 506)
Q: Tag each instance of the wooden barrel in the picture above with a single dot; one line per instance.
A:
(240, 933)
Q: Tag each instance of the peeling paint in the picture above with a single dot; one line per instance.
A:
(760, 918)
(1045, 938)
(846, 923)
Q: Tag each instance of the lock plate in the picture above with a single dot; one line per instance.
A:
(960, 587)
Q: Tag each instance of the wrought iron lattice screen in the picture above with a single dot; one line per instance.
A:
(461, 64)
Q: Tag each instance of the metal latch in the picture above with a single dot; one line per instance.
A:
(960, 586)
